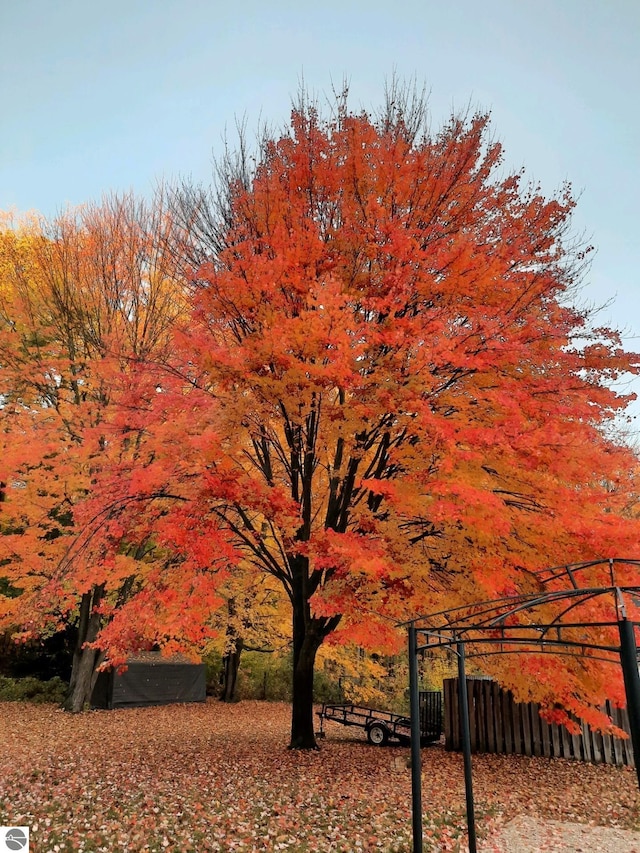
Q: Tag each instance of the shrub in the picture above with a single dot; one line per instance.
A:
(265, 676)
(32, 690)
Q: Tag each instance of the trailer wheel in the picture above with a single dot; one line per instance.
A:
(377, 734)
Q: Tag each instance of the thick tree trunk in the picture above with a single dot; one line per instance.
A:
(230, 667)
(80, 695)
(85, 659)
(304, 659)
(308, 634)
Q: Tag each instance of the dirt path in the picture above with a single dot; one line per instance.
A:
(529, 835)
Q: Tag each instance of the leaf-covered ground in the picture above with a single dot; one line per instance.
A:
(219, 778)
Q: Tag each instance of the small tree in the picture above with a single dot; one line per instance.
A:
(82, 298)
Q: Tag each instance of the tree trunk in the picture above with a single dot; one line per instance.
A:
(80, 695)
(308, 634)
(85, 659)
(305, 648)
(230, 667)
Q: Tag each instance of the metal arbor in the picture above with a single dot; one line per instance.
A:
(562, 617)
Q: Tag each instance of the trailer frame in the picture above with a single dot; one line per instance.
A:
(383, 727)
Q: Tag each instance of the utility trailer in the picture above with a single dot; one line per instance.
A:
(384, 726)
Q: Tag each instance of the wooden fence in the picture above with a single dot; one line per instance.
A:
(500, 724)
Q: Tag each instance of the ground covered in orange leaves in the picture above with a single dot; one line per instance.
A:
(219, 778)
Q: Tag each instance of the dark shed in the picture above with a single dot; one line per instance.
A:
(150, 679)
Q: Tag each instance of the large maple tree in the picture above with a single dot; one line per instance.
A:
(385, 397)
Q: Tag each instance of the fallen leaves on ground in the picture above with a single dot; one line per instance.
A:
(218, 777)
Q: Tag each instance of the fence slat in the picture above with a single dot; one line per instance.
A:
(498, 730)
(525, 716)
(536, 733)
(587, 741)
(485, 709)
(447, 713)
(576, 741)
(607, 750)
(489, 717)
(566, 742)
(627, 746)
(506, 701)
(451, 720)
(473, 719)
(518, 741)
(480, 715)
(618, 749)
(596, 741)
(546, 738)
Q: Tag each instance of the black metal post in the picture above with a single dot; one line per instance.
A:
(466, 746)
(629, 661)
(416, 763)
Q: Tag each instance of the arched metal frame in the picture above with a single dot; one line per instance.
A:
(531, 623)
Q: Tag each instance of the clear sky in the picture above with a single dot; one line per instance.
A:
(116, 94)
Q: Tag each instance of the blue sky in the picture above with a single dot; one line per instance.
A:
(100, 96)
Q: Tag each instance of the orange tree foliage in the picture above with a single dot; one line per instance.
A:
(82, 299)
(384, 397)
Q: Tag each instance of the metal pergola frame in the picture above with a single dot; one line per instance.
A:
(530, 623)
